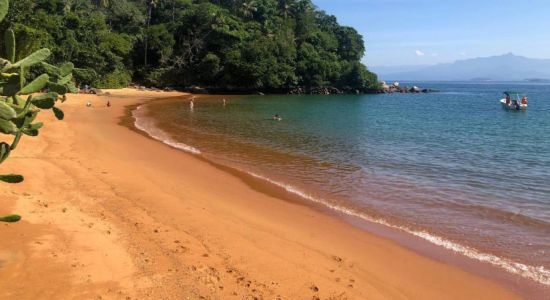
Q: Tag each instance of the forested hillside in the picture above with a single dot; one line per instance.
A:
(253, 44)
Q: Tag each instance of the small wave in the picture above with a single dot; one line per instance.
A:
(536, 273)
(148, 126)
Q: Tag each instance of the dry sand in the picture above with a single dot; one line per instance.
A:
(111, 214)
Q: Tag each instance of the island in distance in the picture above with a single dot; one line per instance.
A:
(507, 67)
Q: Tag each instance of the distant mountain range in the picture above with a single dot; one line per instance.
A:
(507, 67)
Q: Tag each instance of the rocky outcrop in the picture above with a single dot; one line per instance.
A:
(300, 90)
(397, 88)
(316, 91)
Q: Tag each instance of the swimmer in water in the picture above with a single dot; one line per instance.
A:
(276, 117)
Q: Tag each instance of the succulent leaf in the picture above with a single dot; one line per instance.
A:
(4, 151)
(49, 95)
(59, 114)
(26, 119)
(6, 111)
(66, 69)
(9, 39)
(12, 86)
(66, 79)
(30, 132)
(51, 69)
(10, 218)
(11, 178)
(35, 58)
(7, 127)
(4, 5)
(45, 103)
(57, 88)
(72, 88)
(35, 126)
(29, 117)
(36, 85)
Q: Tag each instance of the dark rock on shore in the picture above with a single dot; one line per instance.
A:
(315, 91)
(300, 90)
(397, 88)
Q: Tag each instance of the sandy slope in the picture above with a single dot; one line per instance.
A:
(111, 214)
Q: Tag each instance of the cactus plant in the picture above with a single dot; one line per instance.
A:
(16, 113)
(10, 218)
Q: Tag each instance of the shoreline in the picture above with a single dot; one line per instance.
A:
(493, 267)
(124, 210)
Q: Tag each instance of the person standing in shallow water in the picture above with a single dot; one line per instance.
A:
(192, 103)
(224, 102)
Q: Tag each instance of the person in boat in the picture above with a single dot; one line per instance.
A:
(507, 100)
(524, 100)
(515, 104)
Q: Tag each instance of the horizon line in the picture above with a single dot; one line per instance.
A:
(451, 62)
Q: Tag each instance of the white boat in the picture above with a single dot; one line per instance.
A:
(514, 101)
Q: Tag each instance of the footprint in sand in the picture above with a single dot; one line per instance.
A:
(337, 259)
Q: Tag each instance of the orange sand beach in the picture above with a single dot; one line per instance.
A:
(111, 214)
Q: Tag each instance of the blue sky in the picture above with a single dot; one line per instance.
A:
(416, 32)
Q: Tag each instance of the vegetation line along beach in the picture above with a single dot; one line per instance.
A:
(225, 45)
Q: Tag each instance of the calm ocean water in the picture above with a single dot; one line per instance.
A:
(452, 167)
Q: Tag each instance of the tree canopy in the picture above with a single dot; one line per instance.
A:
(253, 44)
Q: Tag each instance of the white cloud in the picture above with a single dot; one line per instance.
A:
(462, 53)
(419, 53)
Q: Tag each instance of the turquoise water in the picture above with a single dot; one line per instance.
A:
(451, 167)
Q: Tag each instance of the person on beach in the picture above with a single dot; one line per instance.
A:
(88, 104)
(108, 103)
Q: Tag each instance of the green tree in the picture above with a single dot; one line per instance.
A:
(151, 4)
(263, 44)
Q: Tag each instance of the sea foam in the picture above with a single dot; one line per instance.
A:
(147, 125)
(536, 273)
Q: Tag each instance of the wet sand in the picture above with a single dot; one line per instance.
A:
(111, 214)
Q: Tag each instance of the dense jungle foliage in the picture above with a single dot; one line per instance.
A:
(253, 44)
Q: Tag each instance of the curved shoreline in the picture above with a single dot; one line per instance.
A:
(538, 275)
(127, 216)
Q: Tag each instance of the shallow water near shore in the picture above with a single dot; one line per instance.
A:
(452, 168)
